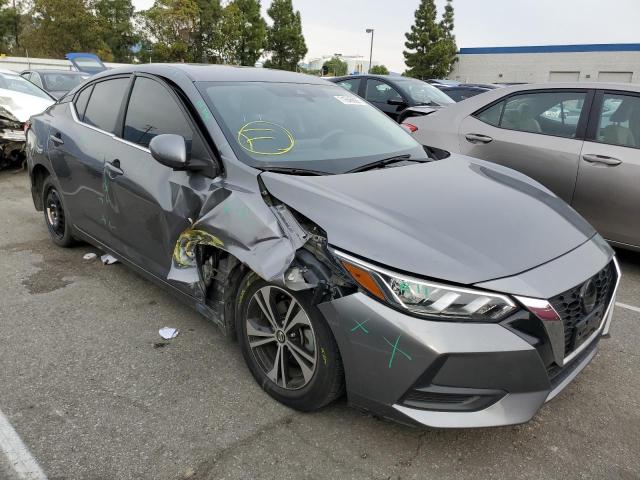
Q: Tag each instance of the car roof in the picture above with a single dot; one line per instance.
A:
(579, 85)
(463, 87)
(54, 70)
(217, 73)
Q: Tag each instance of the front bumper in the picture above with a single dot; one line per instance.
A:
(447, 374)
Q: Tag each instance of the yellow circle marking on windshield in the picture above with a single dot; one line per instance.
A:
(265, 138)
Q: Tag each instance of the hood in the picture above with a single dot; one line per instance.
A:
(461, 220)
(17, 106)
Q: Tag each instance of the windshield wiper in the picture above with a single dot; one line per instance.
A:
(293, 171)
(387, 161)
(430, 104)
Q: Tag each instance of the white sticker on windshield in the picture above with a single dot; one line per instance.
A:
(350, 100)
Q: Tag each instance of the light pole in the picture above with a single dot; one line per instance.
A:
(370, 30)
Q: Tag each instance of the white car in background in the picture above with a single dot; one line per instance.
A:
(19, 99)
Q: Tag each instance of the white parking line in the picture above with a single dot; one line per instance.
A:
(628, 307)
(17, 454)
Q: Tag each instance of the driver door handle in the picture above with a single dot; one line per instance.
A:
(602, 159)
(477, 138)
(113, 169)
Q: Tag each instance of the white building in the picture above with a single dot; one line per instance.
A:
(549, 63)
(355, 63)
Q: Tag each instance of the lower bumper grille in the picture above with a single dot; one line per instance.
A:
(450, 399)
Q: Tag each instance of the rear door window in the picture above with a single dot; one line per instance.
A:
(81, 102)
(619, 122)
(104, 104)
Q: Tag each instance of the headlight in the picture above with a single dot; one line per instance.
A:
(432, 300)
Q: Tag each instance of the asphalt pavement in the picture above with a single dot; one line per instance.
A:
(95, 393)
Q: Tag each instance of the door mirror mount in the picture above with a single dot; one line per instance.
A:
(170, 150)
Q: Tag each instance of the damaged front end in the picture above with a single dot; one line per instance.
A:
(12, 140)
(238, 232)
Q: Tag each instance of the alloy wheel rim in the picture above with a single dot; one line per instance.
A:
(281, 338)
(55, 213)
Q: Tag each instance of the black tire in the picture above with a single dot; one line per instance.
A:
(327, 382)
(55, 215)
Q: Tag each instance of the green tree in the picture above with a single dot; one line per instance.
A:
(57, 27)
(450, 49)
(205, 38)
(11, 21)
(379, 70)
(429, 43)
(285, 41)
(181, 30)
(247, 33)
(335, 67)
(115, 21)
(228, 41)
(169, 23)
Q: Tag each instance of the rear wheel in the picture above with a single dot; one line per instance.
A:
(288, 345)
(55, 215)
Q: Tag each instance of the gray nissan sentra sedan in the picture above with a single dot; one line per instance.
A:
(308, 225)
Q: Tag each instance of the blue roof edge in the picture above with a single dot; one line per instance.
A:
(594, 47)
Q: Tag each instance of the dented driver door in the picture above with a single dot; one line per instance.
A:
(148, 204)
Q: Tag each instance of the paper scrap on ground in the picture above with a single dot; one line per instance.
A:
(89, 256)
(108, 259)
(168, 332)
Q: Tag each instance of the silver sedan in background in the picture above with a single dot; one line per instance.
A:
(580, 140)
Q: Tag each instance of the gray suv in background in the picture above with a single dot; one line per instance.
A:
(580, 140)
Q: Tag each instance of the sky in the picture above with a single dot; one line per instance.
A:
(338, 26)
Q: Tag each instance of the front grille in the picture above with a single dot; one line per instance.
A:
(569, 305)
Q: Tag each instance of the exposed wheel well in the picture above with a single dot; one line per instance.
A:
(222, 274)
(38, 176)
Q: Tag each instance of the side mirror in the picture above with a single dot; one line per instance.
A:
(170, 150)
(396, 101)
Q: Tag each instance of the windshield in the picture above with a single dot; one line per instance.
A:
(422, 93)
(322, 128)
(18, 84)
(62, 81)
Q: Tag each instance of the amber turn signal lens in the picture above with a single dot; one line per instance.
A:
(364, 279)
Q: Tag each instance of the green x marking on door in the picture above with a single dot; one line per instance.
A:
(360, 325)
(395, 349)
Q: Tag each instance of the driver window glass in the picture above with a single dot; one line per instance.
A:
(152, 111)
(380, 92)
(548, 113)
(619, 122)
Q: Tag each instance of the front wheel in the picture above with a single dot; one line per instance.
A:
(288, 345)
